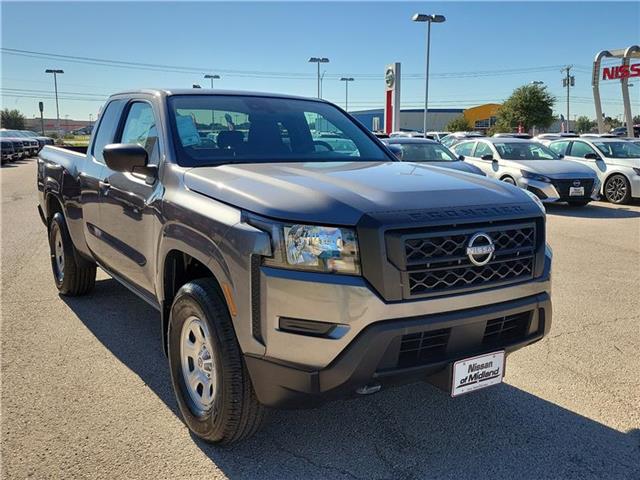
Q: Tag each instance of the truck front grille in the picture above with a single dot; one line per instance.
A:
(435, 262)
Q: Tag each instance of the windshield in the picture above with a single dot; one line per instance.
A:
(622, 149)
(524, 151)
(217, 129)
(426, 152)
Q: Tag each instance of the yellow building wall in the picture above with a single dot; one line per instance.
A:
(481, 112)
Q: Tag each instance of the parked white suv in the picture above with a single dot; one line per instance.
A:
(614, 160)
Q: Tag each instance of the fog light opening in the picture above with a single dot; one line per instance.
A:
(369, 389)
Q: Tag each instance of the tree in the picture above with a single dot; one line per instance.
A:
(636, 120)
(584, 124)
(529, 106)
(12, 119)
(459, 124)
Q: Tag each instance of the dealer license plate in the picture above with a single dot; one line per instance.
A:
(576, 191)
(475, 373)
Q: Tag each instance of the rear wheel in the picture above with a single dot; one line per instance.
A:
(617, 189)
(72, 275)
(210, 380)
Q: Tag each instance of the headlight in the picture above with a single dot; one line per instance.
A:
(535, 198)
(311, 247)
(535, 176)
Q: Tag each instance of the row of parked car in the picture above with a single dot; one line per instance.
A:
(555, 167)
(19, 144)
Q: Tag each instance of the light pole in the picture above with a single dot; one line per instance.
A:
(212, 78)
(346, 81)
(318, 60)
(433, 18)
(537, 82)
(55, 86)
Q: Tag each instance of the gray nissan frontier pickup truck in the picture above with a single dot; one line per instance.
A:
(292, 259)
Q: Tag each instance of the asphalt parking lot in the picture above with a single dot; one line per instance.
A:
(86, 390)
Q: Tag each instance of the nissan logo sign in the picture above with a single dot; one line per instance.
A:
(480, 249)
(576, 183)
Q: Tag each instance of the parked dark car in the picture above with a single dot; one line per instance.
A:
(31, 145)
(429, 152)
(42, 140)
(21, 149)
(8, 150)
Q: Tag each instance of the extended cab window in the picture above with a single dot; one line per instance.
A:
(140, 127)
(215, 129)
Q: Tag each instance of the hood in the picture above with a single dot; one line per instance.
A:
(555, 168)
(340, 193)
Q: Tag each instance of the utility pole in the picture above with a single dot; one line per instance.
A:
(56, 72)
(346, 81)
(568, 81)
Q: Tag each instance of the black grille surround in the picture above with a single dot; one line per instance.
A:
(435, 261)
(563, 186)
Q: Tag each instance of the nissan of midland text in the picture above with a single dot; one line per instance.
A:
(292, 258)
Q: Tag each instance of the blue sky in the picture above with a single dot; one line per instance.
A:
(276, 39)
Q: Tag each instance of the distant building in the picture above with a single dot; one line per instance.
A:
(410, 118)
(51, 125)
(481, 117)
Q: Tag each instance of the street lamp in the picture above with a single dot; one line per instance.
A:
(346, 81)
(212, 78)
(318, 60)
(195, 85)
(55, 85)
(537, 82)
(421, 17)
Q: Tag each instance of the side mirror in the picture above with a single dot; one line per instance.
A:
(461, 158)
(591, 156)
(488, 156)
(123, 157)
(396, 150)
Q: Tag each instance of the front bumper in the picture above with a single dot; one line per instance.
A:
(371, 360)
(548, 193)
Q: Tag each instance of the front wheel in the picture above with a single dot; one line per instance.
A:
(509, 180)
(617, 189)
(71, 275)
(210, 380)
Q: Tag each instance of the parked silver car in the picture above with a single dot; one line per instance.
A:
(534, 167)
(430, 152)
(615, 161)
(547, 138)
(457, 137)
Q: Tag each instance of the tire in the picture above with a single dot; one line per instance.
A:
(508, 180)
(202, 340)
(72, 275)
(578, 203)
(617, 189)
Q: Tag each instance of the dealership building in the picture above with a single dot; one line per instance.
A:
(480, 117)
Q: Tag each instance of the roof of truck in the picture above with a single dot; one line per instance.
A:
(167, 92)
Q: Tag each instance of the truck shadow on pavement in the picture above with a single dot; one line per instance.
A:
(414, 431)
(596, 210)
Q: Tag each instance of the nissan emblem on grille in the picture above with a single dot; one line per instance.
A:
(480, 249)
(576, 183)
